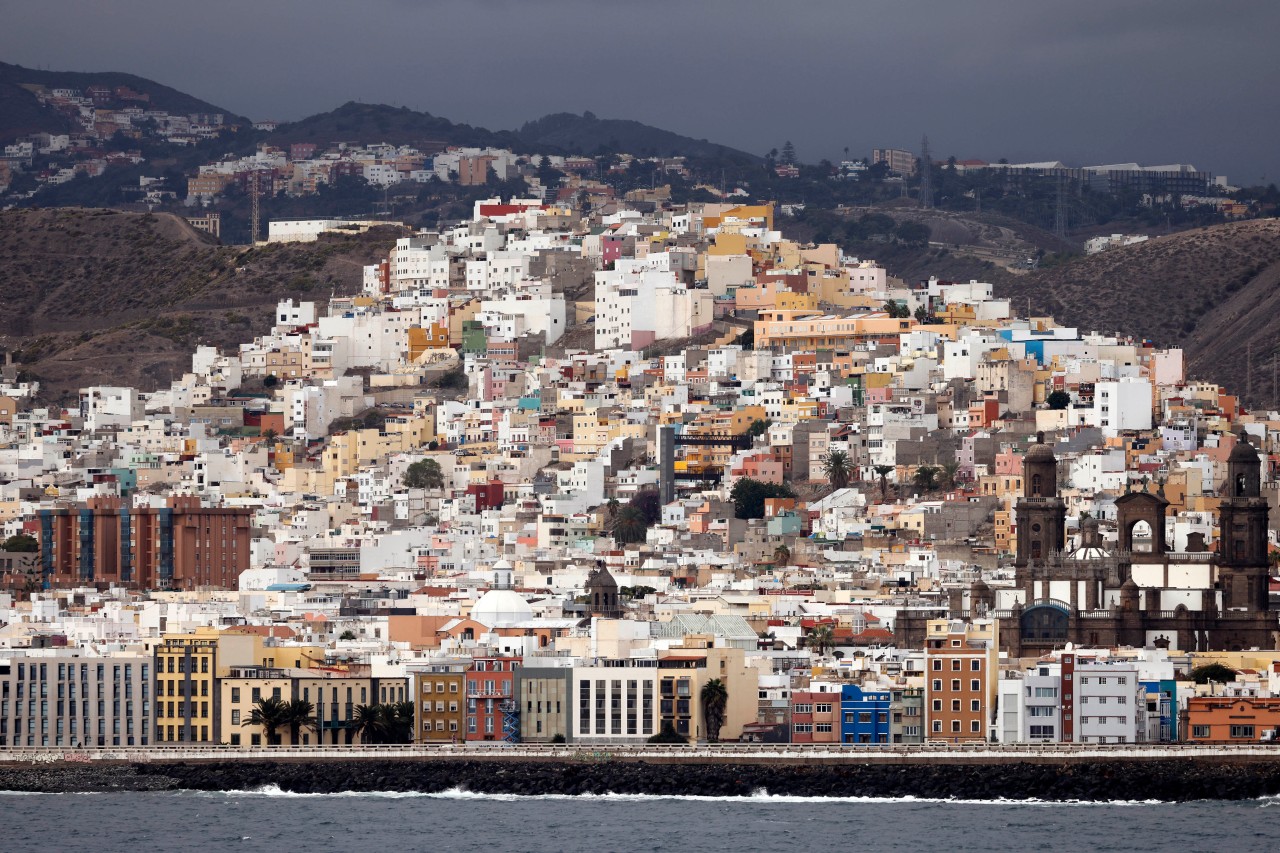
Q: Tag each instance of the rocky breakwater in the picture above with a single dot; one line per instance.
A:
(1176, 780)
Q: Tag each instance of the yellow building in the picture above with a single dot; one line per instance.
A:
(335, 696)
(188, 667)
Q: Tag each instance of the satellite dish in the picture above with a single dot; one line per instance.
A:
(1070, 646)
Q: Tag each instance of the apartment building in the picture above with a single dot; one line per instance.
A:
(63, 697)
(961, 670)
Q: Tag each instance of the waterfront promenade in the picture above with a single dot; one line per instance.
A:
(931, 753)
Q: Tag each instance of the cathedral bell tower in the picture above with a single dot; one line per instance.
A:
(1041, 514)
(1243, 565)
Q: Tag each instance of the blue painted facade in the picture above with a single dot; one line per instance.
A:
(864, 715)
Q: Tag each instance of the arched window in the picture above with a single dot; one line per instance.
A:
(1035, 486)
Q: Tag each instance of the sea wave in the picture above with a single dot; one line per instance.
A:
(760, 795)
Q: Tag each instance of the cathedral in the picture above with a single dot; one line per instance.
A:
(1139, 593)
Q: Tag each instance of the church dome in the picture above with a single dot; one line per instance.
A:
(1040, 452)
(1243, 452)
(501, 608)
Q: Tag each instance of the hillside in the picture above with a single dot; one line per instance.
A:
(586, 134)
(21, 113)
(1213, 291)
(372, 123)
(105, 297)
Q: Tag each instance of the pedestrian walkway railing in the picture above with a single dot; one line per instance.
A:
(610, 751)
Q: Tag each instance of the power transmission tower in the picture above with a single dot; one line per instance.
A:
(254, 192)
(1060, 214)
(926, 175)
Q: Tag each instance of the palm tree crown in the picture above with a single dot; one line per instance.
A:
(715, 697)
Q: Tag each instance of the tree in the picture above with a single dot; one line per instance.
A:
(649, 503)
(749, 495)
(270, 435)
(1215, 672)
(926, 478)
(714, 698)
(781, 555)
(270, 381)
(821, 637)
(758, 427)
(668, 734)
(1058, 400)
(949, 471)
(299, 714)
(424, 474)
(747, 340)
(23, 543)
(347, 635)
(837, 468)
(629, 525)
(912, 233)
(788, 153)
(271, 713)
(923, 315)
(883, 472)
(390, 722)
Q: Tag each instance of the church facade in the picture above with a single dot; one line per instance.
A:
(1138, 593)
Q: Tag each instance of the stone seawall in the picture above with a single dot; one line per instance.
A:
(1173, 780)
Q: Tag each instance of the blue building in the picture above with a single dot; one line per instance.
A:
(864, 715)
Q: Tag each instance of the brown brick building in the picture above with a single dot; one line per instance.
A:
(181, 545)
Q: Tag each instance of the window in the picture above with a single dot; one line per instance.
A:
(975, 726)
(955, 706)
(975, 705)
(937, 685)
(975, 685)
(955, 665)
(1200, 731)
(1042, 731)
(975, 665)
(822, 727)
(937, 725)
(955, 685)
(1242, 731)
(235, 718)
(955, 726)
(937, 665)
(804, 708)
(937, 705)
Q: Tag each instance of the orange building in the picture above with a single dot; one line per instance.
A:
(1230, 719)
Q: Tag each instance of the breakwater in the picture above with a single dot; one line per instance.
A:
(1193, 778)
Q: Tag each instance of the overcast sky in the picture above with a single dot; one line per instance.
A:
(1085, 81)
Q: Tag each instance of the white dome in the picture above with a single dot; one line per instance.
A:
(503, 563)
(501, 608)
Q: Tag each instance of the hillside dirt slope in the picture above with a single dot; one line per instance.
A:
(1212, 291)
(105, 297)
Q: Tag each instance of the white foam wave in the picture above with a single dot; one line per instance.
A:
(760, 795)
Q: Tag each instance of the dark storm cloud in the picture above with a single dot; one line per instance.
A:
(1083, 81)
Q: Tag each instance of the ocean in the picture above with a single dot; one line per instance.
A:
(271, 820)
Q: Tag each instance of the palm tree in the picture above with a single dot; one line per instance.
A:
(400, 716)
(714, 698)
(630, 525)
(821, 637)
(781, 555)
(926, 477)
(883, 472)
(270, 712)
(949, 471)
(837, 469)
(299, 714)
(367, 722)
